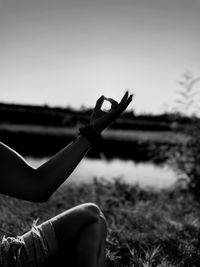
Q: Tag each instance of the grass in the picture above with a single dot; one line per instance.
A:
(147, 228)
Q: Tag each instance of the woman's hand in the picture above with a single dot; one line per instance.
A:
(101, 119)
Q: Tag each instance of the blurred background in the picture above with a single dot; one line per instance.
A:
(58, 57)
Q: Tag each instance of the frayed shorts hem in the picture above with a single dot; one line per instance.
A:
(33, 249)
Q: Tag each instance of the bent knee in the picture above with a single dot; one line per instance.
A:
(79, 217)
(93, 210)
(69, 223)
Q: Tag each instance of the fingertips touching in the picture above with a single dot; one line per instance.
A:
(112, 101)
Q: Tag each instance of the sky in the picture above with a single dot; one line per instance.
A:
(69, 53)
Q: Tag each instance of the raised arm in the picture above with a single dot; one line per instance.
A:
(19, 179)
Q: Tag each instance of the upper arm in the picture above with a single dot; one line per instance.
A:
(17, 177)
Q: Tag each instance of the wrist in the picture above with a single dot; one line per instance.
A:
(98, 126)
(91, 133)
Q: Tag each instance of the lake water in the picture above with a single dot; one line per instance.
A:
(144, 174)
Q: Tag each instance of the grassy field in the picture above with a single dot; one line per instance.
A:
(147, 228)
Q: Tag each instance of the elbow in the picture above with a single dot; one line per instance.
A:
(45, 198)
(40, 197)
(41, 192)
(33, 188)
(42, 200)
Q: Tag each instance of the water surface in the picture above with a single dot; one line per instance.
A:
(144, 174)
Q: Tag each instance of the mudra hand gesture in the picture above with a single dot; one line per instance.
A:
(77, 236)
(101, 119)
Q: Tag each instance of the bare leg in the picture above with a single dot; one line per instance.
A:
(81, 234)
(91, 246)
(102, 252)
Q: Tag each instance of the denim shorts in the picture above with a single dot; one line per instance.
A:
(33, 249)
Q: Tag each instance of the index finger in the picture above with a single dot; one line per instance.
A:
(99, 102)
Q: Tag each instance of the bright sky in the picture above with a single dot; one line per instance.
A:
(65, 53)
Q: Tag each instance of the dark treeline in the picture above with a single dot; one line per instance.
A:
(69, 117)
(44, 145)
(46, 142)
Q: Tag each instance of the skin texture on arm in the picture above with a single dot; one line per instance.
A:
(19, 179)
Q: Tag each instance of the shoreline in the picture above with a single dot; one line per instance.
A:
(42, 141)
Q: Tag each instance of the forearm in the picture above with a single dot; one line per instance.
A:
(58, 168)
(20, 180)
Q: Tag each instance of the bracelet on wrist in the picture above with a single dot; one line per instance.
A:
(91, 134)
